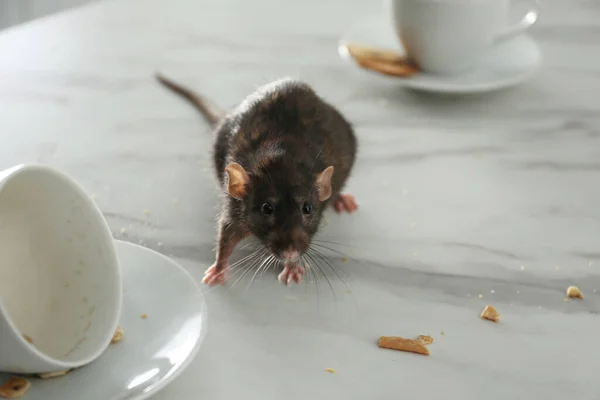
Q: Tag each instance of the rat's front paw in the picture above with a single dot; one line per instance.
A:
(291, 273)
(345, 202)
(215, 275)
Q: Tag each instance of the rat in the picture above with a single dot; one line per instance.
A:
(282, 156)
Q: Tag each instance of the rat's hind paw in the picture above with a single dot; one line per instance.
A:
(291, 273)
(214, 276)
(345, 202)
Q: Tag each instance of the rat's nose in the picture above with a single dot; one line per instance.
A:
(290, 254)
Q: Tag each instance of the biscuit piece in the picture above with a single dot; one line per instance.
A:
(425, 339)
(28, 339)
(490, 313)
(403, 344)
(386, 62)
(118, 335)
(363, 52)
(55, 374)
(398, 69)
(330, 370)
(574, 292)
(14, 388)
(144, 316)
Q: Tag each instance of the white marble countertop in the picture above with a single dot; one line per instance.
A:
(495, 194)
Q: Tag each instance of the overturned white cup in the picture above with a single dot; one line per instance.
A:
(60, 283)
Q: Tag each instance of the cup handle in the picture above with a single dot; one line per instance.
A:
(525, 23)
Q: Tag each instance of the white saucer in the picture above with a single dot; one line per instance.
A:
(506, 64)
(155, 350)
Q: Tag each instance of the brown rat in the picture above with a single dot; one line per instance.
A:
(282, 156)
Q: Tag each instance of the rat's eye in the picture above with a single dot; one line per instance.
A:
(306, 208)
(266, 209)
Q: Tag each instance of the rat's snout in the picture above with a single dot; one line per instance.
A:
(290, 254)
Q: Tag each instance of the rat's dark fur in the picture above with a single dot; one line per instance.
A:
(283, 135)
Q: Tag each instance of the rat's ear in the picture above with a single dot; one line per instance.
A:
(238, 180)
(324, 183)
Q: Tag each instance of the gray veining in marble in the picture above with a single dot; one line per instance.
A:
(495, 195)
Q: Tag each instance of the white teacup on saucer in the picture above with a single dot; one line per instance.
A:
(449, 36)
(504, 64)
(60, 283)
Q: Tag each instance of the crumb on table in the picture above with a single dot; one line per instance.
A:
(28, 339)
(144, 316)
(402, 344)
(573, 292)
(490, 314)
(330, 370)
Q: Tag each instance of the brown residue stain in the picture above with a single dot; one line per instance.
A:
(28, 339)
(75, 347)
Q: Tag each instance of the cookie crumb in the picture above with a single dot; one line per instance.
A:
(144, 316)
(344, 259)
(425, 339)
(14, 388)
(28, 339)
(147, 212)
(566, 300)
(118, 335)
(480, 296)
(573, 292)
(402, 344)
(490, 314)
(55, 374)
(330, 370)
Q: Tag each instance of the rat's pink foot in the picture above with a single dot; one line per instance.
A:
(345, 202)
(291, 273)
(214, 277)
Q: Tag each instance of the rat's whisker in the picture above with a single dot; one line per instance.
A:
(273, 264)
(330, 249)
(310, 272)
(248, 268)
(335, 243)
(265, 260)
(243, 260)
(309, 254)
(321, 257)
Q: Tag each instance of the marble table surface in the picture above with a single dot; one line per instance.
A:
(486, 199)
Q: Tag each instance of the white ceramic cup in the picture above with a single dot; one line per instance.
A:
(448, 36)
(60, 283)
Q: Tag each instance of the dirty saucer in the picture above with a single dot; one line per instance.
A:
(164, 321)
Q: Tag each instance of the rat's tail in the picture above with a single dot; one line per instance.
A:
(208, 111)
